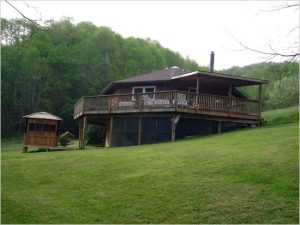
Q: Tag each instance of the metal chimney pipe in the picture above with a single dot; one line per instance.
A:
(212, 62)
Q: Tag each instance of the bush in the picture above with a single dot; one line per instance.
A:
(63, 140)
(95, 135)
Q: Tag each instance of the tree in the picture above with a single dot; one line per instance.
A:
(50, 69)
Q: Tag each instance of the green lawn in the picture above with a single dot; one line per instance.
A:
(246, 176)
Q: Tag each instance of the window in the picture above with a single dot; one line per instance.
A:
(46, 128)
(137, 90)
(42, 127)
(52, 128)
(31, 126)
(192, 89)
(38, 127)
(143, 89)
(149, 89)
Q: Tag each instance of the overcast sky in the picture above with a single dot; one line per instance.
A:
(192, 28)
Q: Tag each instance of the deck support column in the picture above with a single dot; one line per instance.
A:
(219, 126)
(25, 149)
(140, 131)
(108, 132)
(82, 133)
(173, 137)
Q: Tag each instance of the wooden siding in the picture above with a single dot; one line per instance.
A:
(127, 88)
(169, 101)
(46, 139)
(40, 137)
(180, 85)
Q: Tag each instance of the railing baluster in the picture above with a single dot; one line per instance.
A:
(140, 102)
(109, 104)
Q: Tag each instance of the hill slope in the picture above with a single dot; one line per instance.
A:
(50, 69)
(247, 176)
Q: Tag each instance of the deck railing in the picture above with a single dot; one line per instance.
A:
(168, 101)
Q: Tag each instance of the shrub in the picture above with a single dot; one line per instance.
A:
(63, 140)
(95, 135)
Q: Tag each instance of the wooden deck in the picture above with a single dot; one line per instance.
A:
(169, 101)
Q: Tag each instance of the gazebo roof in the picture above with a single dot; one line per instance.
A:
(42, 115)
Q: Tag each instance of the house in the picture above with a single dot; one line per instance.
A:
(168, 104)
(41, 130)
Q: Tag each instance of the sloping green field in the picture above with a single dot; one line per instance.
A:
(246, 176)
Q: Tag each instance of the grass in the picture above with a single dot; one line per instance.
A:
(282, 116)
(246, 176)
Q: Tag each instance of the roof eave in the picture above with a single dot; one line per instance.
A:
(236, 77)
(255, 81)
(185, 75)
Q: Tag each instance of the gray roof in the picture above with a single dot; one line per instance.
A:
(42, 115)
(161, 75)
(157, 76)
(175, 72)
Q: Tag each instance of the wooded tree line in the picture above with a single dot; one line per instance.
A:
(283, 87)
(50, 68)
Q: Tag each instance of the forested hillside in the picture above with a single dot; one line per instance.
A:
(50, 69)
(283, 88)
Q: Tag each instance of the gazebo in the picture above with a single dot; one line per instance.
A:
(41, 130)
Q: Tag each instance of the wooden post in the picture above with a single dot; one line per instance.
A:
(25, 149)
(107, 133)
(198, 83)
(110, 131)
(84, 132)
(173, 138)
(229, 97)
(259, 99)
(80, 134)
(219, 126)
(175, 93)
(197, 89)
(229, 88)
(140, 131)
